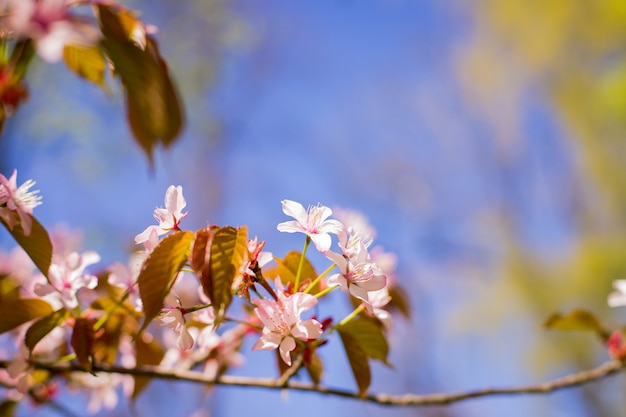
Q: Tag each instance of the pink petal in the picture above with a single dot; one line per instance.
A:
(322, 241)
(291, 226)
(287, 345)
(295, 210)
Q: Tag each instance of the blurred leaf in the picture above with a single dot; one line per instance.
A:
(107, 338)
(400, 301)
(576, 320)
(153, 107)
(21, 55)
(86, 62)
(229, 252)
(82, 341)
(288, 268)
(9, 289)
(8, 408)
(358, 359)
(148, 352)
(159, 272)
(37, 244)
(18, 312)
(314, 365)
(43, 326)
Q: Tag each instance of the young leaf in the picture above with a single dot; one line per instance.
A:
(577, 319)
(18, 312)
(159, 271)
(200, 253)
(148, 352)
(86, 62)
(39, 329)
(288, 267)
(229, 252)
(357, 357)
(82, 341)
(370, 337)
(37, 244)
(313, 365)
(153, 108)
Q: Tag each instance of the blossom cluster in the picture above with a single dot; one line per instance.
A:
(97, 315)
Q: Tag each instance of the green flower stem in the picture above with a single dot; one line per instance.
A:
(197, 308)
(326, 291)
(352, 315)
(319, 278)
(301, 264)
(245, 323)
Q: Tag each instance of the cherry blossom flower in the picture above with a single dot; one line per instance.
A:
(223, 351)
(311, 222)
(357, 274)
(20, 200)
(68, 276)
(356, 230)
(618, 298)
(102, 389)
(21, 370)
(49, 25)
(282, 322)
(169, 217)
(374, 307)
(125, 277)
(174, 318)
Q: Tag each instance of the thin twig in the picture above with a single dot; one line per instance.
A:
(572, 380)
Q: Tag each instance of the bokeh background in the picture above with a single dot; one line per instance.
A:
(484, 140)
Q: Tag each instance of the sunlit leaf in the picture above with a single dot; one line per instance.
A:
(577, 319)
(148, 352)
(18, 312)
(37, 244)
(39, 329)
(86, 61)
(154, 110)
(9, 290)
(229, 252)
(82, 341)
(159, 271)
(288, 268)
(358, 359)
(201, 251)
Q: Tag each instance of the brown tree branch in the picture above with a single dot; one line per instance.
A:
(572, 380)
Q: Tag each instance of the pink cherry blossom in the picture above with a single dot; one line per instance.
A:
(125, 277)
(282, 322)
(169, 217)
(174, 317)
(67, 276)
(49, 25)
(356, 230)
(618, 297)
(311, 222)
(357, 274)
(20, 200)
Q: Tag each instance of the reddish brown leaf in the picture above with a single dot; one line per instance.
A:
(82, 341)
